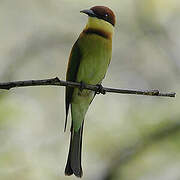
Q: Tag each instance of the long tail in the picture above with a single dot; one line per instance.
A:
(73, 165)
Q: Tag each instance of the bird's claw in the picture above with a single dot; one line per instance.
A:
(82, 86)
(100, 89)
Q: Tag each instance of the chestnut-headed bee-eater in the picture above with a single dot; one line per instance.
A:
(88, 62)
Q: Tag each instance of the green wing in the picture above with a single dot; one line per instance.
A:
(73, 66)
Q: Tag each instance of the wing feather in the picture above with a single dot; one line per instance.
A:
(73, 66)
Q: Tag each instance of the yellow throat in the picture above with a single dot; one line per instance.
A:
(100, 24)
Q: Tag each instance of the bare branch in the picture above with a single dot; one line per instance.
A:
(102, 90)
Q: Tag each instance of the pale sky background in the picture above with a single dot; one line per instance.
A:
(36, 38)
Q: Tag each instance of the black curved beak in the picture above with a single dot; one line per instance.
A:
(89, 12)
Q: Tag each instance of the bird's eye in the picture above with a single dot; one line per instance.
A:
(106, 15)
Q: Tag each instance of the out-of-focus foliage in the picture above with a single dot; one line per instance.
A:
(125, 137)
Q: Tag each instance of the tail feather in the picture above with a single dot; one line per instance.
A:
(73, 165)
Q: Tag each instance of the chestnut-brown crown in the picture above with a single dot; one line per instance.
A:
(104, 13)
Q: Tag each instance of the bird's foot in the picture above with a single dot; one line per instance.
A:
(100, 89)
(82, 86)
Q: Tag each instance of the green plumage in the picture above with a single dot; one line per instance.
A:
(88, 63)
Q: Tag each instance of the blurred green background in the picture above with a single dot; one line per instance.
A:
(126, 137)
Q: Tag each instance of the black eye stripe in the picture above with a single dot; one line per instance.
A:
(103, 16)
(104, 13)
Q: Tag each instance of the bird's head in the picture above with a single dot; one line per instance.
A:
(100, 18)
(102, 13)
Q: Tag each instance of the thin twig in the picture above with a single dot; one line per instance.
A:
(102, 90)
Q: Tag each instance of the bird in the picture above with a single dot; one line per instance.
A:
(88, 63)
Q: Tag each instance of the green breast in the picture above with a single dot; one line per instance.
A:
(96, 56)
